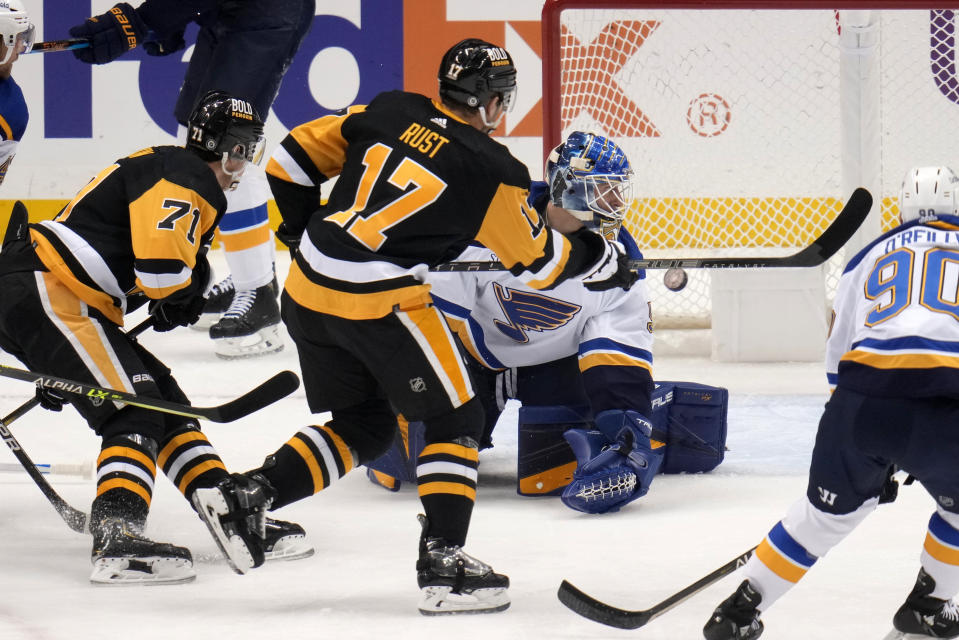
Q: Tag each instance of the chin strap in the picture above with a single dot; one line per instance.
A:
(234, 175)
(491, 126)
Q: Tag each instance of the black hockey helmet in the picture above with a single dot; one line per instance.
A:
(473, 71)
(224, 124)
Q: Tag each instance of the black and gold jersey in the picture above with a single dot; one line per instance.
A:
(415, 186)
(137, 227)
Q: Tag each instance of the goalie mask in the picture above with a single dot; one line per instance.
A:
(15, 28)
(590, 176)
(228, 129)
(927, 192)
(473, 72)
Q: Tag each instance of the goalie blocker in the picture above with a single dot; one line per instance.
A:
(689, 417)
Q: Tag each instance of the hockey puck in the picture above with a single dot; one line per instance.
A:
(675, 279)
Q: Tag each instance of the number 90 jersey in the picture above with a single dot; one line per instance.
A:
(895, 329)
(415, 185)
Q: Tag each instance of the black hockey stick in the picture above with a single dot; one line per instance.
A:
(589, 607)
(58, 45)
(75, 519)
(277, 387)
(822, 248)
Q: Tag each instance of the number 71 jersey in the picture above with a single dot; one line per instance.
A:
(895, 328)
(415, 184)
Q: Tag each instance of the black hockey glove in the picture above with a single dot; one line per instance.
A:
(611, 270)
(165, 46)
(111, 34)
(170, 315)
(50, 399)
(289, 237)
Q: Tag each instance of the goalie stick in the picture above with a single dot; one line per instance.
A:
(58, 45)
(822, 248)
(277, 387)
(75, 519)
(589, 607)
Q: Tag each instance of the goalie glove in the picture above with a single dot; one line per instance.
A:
(611, 471)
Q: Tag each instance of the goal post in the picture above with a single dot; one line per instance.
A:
(747, 124)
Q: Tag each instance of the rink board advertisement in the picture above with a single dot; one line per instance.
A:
(83, 117)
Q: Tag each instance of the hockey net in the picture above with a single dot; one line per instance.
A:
(748, 128)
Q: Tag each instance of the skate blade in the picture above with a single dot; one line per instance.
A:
(289, 548)
(901, 635)
(211, 504)
(441, 601)
(115, 572)
(265, 341)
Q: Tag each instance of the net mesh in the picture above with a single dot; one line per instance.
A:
(732, 121)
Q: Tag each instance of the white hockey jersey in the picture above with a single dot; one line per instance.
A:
(895, 329)
(505, 324)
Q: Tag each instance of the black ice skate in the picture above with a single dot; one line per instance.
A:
(285, 541)
(453, 582)
(923, 616)
(217, 303)
(121, 555)
(736, 618)
(250, 327)
(235, 513)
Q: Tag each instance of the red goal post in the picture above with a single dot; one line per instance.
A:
(747, 124)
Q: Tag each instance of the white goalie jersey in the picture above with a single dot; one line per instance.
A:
(503, 323)
(895, 329)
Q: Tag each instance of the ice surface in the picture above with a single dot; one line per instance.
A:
(361, 583)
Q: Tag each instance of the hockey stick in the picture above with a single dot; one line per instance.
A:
(589, 607)
(58, 45)
(277, 387)
(822, 248)
(75, 519)
(83, 470)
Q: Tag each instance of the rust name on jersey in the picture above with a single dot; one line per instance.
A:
(423, 139)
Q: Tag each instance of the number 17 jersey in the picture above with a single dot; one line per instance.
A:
(415, 185)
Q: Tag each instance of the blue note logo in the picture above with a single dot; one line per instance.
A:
(526, 311)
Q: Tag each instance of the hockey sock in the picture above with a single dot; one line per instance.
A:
(313, 459)
(940, 554)
(126, 469)
(245, 232)
(778, 564)
(190, 461)
(446, 473)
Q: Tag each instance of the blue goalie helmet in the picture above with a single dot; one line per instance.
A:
(590, 176)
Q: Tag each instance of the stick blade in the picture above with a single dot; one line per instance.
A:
(839, 232)
(276, 388)
(600, 612)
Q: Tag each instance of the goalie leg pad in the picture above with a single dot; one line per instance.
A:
(398, 464)
(544, 462)
(694, 417)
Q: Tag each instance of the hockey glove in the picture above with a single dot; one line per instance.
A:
(165, 46)
(611, 472)
(289, 237)
(611, 270)
(50, 399)
(111, 34)
(170, 315)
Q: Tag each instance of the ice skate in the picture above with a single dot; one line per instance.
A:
(251, 326)
(235, 513)
(453, 582)
(737, 617)
(923, 616)
(285, 541)
(217, 303)
(122, 556)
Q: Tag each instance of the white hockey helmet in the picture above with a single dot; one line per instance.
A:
(928, 191)
(15, 28)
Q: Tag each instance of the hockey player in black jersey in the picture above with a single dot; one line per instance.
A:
(136, 234)
(244, 48)
(892, 358)
(418, 179)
